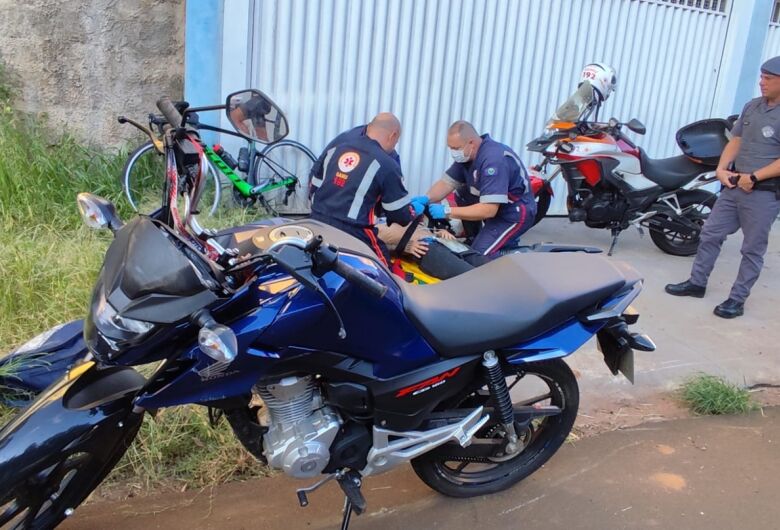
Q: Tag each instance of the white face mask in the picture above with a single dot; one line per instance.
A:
(459, 155)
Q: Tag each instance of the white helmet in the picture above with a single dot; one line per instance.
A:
(602, 78)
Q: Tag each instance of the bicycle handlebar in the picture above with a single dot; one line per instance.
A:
(169, 111)
(145, 130)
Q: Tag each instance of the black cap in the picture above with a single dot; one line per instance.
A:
(772, 66)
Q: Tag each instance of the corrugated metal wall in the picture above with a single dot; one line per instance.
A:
(772, 44)
(772, 41)
(503, 64)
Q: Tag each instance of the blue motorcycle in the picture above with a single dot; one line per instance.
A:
(325, 365)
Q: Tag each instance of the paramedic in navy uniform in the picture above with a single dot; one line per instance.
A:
(356, 176)
(492, 186)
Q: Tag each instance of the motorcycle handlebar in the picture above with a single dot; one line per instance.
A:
(169, 111)
(326, 258)
(357, 278)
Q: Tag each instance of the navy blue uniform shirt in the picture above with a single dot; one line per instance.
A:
(357, 177)
(495, 176)
(347, 136)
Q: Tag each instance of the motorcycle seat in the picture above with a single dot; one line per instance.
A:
(510, 300)
(670, 173)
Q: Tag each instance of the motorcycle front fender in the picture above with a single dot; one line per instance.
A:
(88, 409)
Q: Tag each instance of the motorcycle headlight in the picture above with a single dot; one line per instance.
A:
(107, 318)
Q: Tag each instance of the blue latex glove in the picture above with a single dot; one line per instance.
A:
(418, 205)
(437, 211)
(422, 199)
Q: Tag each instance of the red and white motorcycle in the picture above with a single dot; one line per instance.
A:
(613, 184)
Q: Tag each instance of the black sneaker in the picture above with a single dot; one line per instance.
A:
(730, 309)
(685, 288)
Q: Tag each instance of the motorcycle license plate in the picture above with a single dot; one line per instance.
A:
(624, 361)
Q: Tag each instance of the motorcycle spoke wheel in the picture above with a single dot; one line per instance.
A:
(549, 383)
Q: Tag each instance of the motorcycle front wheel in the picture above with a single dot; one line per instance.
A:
(696, 206)
(41, 497)
(547, 383)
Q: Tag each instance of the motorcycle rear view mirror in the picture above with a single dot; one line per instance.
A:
(255, 117)
(636, 126)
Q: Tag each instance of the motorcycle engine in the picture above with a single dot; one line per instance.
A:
(604, 208)
(599, 206)
(301, 429)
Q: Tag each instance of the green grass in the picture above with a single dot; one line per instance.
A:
(5, 414)
(48, 265)
(41, 175)
(46, 277)
(179, 447)
(710, 395)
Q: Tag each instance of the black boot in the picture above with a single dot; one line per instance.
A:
(686, 288)
(730, 309)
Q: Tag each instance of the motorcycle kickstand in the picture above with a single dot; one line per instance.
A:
(615, 234)
(354, 501)
(346, 514)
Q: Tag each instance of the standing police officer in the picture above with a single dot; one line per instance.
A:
(355, 176)
(492, 187)
(749, 170)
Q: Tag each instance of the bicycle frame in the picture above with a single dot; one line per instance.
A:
(246, 189)
(243, 187)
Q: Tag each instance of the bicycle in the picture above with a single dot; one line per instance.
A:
(275, 175)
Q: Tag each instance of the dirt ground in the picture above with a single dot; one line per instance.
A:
(705, 472)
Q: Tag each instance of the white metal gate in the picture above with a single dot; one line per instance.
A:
(502, 64)
(772, 40)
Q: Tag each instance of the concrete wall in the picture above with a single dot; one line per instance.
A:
(83, 62)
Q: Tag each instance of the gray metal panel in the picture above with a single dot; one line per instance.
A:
(771, 44)
(503, 64)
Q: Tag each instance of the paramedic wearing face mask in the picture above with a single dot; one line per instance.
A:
(492, 188)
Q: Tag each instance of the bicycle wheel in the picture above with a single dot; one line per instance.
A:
(285, 161)
(144, 175)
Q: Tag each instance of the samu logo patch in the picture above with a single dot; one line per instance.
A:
(768, 131)
(349, 161)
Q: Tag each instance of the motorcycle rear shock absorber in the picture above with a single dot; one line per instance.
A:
(500, 392)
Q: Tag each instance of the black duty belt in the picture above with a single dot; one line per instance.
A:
(772, 184)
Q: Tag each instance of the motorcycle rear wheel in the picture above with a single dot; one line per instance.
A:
(696, 206)
(543, 200)
(542, 439)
